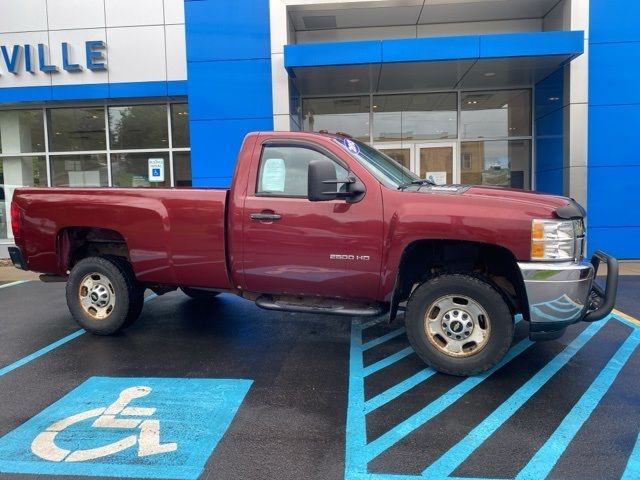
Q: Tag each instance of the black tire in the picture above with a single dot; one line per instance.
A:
(128, 295)
(199, 294)
(432, 347)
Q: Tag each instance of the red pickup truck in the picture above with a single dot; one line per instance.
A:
(322, 223)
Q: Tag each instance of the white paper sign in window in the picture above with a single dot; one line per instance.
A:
(273, 175)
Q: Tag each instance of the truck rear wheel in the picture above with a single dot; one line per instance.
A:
(199, 294)
(103, 294)
(458, 324)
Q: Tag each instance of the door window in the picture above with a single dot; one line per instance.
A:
(283, 170)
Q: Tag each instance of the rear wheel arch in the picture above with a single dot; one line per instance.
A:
(78, 242)
(425, 259)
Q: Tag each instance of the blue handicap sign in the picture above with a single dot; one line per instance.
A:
(155, 172)
(126, 427)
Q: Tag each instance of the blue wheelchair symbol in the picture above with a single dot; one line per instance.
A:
(127, 427)
(155, 172)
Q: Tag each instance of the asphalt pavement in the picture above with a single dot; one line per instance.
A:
(226, 390)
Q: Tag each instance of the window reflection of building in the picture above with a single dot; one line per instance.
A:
(494, 137)
(91, 146)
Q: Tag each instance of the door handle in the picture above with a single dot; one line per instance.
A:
(265, 217)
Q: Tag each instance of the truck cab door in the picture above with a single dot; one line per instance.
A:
(295, 246)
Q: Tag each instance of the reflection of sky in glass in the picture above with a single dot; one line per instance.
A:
(496, 154)
(355, 124)
(485, 123)
(414, 125)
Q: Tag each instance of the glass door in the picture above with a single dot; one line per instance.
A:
(434, 160)
(437, 162)
(400, 152)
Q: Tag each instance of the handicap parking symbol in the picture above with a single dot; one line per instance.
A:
(127, 427)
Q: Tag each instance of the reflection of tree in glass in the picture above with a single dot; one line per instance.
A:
(140, 126)
(76, 129)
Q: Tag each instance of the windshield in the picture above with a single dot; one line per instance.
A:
(384, 168)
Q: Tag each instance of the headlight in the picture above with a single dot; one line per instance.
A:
(555, 239)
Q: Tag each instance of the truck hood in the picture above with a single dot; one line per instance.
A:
(510, 195)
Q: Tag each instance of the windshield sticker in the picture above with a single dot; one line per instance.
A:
(351, 146)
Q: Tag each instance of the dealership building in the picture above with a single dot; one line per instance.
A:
(533, 94)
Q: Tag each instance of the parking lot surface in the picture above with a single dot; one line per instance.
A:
(226, 390)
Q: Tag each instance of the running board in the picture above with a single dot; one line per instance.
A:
(325, 306)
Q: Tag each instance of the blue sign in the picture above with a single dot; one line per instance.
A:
(351, 146)
(126, 427)
(15, 57)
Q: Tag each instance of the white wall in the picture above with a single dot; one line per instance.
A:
(145, 39)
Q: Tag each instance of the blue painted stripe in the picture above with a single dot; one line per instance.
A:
(632, 472)
(356, 434)
(52, 346)
(457, 454)
(39, 353)
(397, 390)
(385, 362)
(547, 456)
(13, 284)
(434, 408)
(382, 339)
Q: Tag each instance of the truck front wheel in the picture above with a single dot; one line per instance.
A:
(103, 294)
(458, 324)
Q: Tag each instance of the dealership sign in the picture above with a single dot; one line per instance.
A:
(18, 58)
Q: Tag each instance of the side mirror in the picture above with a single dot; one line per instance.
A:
(322, 181)
(323, 184)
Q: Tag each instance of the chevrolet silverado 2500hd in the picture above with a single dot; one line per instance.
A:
(325, 224)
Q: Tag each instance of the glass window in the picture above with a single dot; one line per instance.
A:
(344, 114)
(284, 171)
(140, 126)
(21, 131)
(180, 125)
(182, 169)
(132, 169)
(79, 170)
(424, 116)
(505, 163)
(76, 129)
(18, 172)
(502, 113)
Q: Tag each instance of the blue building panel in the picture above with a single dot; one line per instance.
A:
(568, 43)
(531, 44)
(549, 94)
(138, 89)
(90, 91)
(613, 73)
(613, 197)
(614, 113)
(549, 134)
(614, 122)
(618, 241)
(227, 30)
(430, 49)
(230, 89)
(333, 53)
(215, 145)
(614, 21)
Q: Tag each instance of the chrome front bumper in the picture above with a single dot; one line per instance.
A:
(563, 293)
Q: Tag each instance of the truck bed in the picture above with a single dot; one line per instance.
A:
(174, 236)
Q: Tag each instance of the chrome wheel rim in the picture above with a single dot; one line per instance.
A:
(97, 296)
(457, 325)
